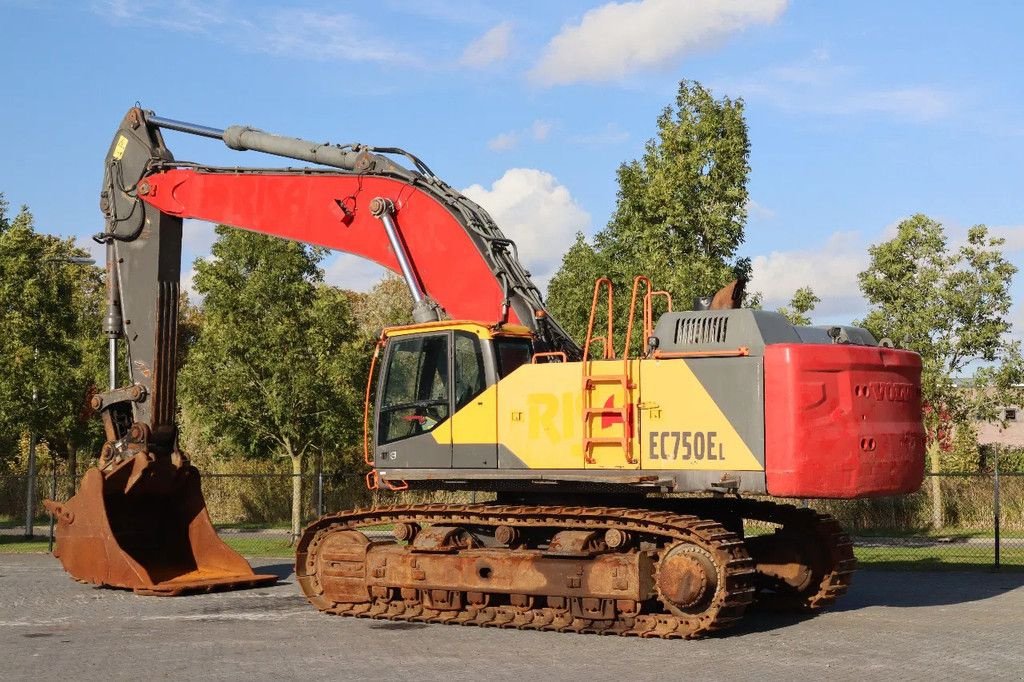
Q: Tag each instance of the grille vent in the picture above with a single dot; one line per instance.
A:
(695, 331)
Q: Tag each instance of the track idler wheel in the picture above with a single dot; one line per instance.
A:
(687, 579)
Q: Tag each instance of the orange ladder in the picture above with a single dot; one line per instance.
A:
(624, 380)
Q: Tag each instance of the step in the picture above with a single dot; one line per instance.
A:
(606, 410)
(587, 442)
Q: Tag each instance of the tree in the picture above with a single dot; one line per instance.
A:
(275, 367)
(387, 304)
(51, 348)
(803, 302)
(680, 212)
(950, 304)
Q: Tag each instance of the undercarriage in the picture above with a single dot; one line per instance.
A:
(672, 568)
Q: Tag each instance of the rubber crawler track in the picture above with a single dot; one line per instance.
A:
(734, 593)
(821, 534)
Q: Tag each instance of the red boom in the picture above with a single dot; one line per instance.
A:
(334, 211)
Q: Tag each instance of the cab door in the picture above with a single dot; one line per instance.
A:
(415, 403)
(474, 422)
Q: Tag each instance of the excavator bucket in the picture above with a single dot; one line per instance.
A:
(144, 528)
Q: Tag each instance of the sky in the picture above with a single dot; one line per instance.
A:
(860, 113)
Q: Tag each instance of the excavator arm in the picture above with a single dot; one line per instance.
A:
(139, 519)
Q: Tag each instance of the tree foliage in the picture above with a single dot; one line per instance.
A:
(800, 306)
(276, 369)
(387, 304)
(50, 341)
(680, 212)
(951, 305)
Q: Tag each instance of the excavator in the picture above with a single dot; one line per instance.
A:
(635, 489)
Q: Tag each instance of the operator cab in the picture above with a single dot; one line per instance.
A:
(437, 388)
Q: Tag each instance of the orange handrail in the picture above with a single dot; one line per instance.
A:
(740, 352)
(373, 479)
(649, 311)
(366, 402)
(608, 339)
(632, 313)
(550, 354)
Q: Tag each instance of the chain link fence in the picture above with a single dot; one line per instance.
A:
(955, 521)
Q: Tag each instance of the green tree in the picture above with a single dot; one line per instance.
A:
(51, 348)
(275, 368)
(950, 304)
(800, 306)
(387, 304)
(679, 217)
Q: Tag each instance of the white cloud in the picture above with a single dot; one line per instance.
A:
(538, 131)
(617, 39)
(503, 141)
(188, 285)
(321, 36)
(818, 86)
(610, 134)
(493, 46)
(536, 212)
(197, 238)
(289, 31)
(758, 212)
(353, 272)
(830, 269)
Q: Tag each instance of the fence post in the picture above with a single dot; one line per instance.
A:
(995, 505)
(30, 493)
(53, 496)
(320, 484)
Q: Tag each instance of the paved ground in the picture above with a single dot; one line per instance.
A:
(905, 625)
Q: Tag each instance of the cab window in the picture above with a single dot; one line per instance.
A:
(470, 379)
(415, 398)
(511, 353)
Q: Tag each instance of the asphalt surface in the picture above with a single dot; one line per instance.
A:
(962, 626)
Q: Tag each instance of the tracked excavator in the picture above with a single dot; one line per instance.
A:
(586, 447)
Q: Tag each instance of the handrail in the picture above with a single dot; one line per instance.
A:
(740, 352)
(608, 339)
(649, 311)
(632, 313)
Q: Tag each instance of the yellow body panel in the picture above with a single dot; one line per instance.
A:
(476, 423)
(540, 416)
(536, 415)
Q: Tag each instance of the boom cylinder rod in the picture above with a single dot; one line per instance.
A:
(383, 209)
(424, 308)
(244, 138)
(184, 127)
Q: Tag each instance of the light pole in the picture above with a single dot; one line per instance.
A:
(30, 501)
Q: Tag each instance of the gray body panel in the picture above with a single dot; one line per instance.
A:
(737, 387)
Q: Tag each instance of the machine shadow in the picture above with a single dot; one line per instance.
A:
(894, 589)
(283, 571)
(908, 589)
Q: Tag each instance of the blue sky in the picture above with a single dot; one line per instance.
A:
(860, 113)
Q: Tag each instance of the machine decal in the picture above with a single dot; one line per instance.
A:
(122, 144)
(675, 445)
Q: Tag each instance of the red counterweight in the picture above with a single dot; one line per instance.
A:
(842, 421)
